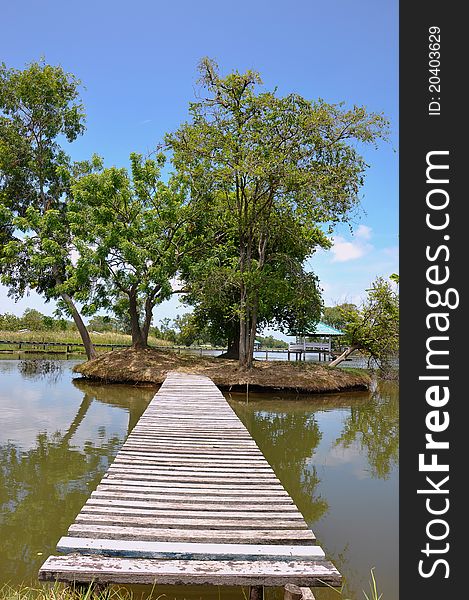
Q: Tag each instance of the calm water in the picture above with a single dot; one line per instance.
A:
(335, 454)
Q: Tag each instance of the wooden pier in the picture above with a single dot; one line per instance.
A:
(190, 499)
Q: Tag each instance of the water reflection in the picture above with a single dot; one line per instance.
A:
(45, 480)
(133, 399)
(288, 439)
(41, 369)
(42, 490)
(375, 426)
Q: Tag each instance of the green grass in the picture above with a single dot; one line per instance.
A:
(374, 594)
(58, 591)
(73, 337)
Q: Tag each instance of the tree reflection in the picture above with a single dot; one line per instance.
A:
(133, 399)
(41, 491)
(288, 440)
(375, 427)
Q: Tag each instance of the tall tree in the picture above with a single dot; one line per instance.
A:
(261, 153)
(38, 106)
(132, 233)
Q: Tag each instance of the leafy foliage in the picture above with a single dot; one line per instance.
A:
(132, 233)
(267, 158)
(374, 327)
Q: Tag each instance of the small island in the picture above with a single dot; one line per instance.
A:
(148, 365)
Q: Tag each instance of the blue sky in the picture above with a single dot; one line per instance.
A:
(138, 63)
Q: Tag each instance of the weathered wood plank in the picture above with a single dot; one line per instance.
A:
(100, 569)
(195, 489)
(189, 550)
(188, 523)
(190, 504)
(107, 508)
(203, 498)
(228, 536)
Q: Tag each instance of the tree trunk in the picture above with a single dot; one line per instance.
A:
(138, 340)
(343, 356)
(233, 346)
(82, 330)
(149, 305)
(243, 329)
(252, 337)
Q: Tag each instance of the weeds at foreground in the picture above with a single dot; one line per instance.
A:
(374, 594)
(64, 592)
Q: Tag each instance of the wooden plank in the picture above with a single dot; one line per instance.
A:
(195, 489)
(227, 536)
(104, 507)
(151, 462)
(138, 470)
(188, 483)
(188, 523)
(196, 473)
(314, 573)
(178, 487)
(203, 498)
(190, 504)
(188, 551)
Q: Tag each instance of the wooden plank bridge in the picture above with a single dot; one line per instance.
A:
(190, 499)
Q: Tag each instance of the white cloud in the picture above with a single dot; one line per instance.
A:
(344, 250)
(363, 232)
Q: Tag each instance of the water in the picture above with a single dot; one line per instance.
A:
(335, 454)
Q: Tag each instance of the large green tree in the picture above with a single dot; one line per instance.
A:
(132, 233)
(261, 154)
(38, 106)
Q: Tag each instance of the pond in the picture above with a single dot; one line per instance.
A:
(335, 454)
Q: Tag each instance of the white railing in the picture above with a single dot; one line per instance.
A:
(309, 347)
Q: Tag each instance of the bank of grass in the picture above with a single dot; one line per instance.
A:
(151, 366)
(72, 337)
(59, 591)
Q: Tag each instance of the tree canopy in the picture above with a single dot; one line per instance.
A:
(263, 155)
(38, 106)
(132, 233)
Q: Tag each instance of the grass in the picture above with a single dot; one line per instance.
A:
(73, 337)
(373, 595)
(60, 591)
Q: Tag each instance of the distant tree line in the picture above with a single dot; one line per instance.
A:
(33, 320)
(257, 184)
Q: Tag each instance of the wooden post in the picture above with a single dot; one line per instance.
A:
(288, 355)
(292, 592)
(256, 592)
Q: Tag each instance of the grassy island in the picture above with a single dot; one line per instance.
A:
(151, 366)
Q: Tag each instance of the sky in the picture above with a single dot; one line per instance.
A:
(138, 64)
